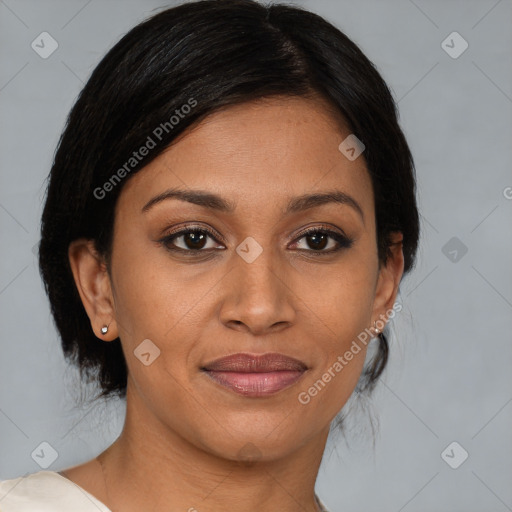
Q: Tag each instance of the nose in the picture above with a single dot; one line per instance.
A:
(257, 297)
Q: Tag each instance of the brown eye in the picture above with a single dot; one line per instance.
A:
(194, 240)
(318, 239)
(191, 240)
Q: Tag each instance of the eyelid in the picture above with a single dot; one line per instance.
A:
(194, 226)
(320, 227)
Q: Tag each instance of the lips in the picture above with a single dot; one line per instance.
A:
(255, 375)
(249, 363)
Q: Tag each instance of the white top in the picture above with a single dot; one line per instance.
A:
(48, 491)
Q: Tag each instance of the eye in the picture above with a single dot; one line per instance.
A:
(195, 239)
(317, 239)
(192, 239)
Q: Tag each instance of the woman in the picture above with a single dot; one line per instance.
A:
(229, 215)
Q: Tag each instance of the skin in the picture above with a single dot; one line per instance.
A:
(184, 436)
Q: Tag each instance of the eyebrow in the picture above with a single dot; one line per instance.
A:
(215, 202)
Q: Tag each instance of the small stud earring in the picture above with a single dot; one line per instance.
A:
(376, 330)
(104, 329)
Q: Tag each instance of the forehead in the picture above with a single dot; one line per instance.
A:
(262, 152)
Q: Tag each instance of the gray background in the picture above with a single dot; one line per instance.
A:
(450, 375)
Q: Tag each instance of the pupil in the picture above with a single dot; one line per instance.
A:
(196, 239)
(315, 237)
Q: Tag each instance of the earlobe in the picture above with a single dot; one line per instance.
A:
(93, 285)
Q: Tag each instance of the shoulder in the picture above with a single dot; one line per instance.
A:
(46, 491)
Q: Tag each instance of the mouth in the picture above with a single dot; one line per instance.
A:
(255, 375)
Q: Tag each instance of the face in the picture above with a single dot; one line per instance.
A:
(201, 282)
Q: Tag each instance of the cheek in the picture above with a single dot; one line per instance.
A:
(339, 319)
(339, 297)
(153, 304)
(159, 300)
(146, 292)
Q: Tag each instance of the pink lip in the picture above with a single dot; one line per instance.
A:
(256, 384)
(255, 375)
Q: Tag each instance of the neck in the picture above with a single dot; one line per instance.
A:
(151, 467)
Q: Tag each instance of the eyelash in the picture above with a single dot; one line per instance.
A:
(343, 241)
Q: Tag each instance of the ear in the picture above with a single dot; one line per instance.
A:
(93, 284)
(388, 281)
